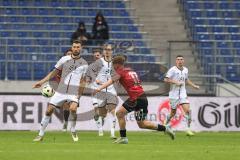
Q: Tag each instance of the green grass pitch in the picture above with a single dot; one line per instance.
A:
(16, 145)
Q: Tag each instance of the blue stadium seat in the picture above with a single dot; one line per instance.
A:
(235, 37)
(201, 29)
(214, 22)
(75, 12)
(225, 51)
(192, 5)
(236, 45)
(17, 56)
(202, 37)
(124, 13)
(220, 37)
(51, 57)
(26, 11)
(233, 29)
(230, 22)
(108, 13)
(236, 5)
(7, 3)
(2, 71)
(217, 29)
(55, 4)
(5, 34)
(87, 4)
(228, 14)
(206, 45)
(10, 11)
(116, 28)
(12, 49)
(133, 58)
(228, 60)
(2, 56)
(42, 11)
(132, 28)
(59, 12)
(22, 34)
(23, 75)
(119, 5)
(222, 44)
(25, 41)
(208, 5)
(231, 69)
(207, 51)
(194, 13)
(37, 34)
(30, 49)
(224, 5)
(11, 42)
(137, 36)
(196, 21)
(212, 13)
(233, 77)
(39, 3)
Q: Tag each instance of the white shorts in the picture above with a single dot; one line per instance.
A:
(58, 99)
(175, 102)
(101, 99)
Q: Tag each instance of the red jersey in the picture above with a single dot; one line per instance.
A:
(130, 81)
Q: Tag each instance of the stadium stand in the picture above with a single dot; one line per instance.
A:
(214, 25)
(33, 32)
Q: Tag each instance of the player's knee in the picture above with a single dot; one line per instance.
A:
(73, 109)
(49, 111)
(173, 111)
(120, 114)
(141, 125)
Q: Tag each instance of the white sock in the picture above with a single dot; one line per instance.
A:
(99, 123)
(72, 121)
(113, 124)
(44, 124)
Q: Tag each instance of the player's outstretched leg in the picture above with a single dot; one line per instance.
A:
(187, 111)
(188, 120)
(99, 124)
(122, 125)
(65, 116)
(145, 124)
(44, 124)
(113, 124)
(73, 120)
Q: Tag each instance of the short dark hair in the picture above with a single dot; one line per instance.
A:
(179, 56)
(97, 50)
(119, 59)
(77, 41)
(68, 50)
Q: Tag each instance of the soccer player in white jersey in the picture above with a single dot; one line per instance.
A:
(70, 88)
(106, 101)
(177, 76)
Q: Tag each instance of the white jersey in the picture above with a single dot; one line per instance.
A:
(101, 70)
(177, 92)
(72, 72)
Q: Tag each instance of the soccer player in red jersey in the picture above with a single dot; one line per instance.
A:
(136, 102)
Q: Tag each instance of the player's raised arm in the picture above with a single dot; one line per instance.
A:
(50, 75)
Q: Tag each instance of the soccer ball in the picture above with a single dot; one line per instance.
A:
(47, 91)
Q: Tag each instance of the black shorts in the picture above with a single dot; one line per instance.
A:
(140, 106)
